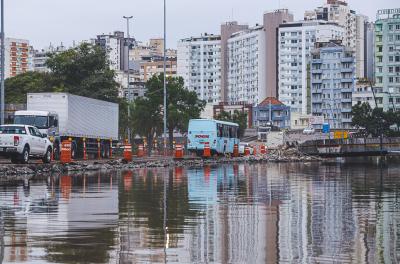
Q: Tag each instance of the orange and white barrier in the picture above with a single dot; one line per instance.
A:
(66, 149)
(178, 151)
(128, 152)
(207, 150)
(140, 151)
(236, 150)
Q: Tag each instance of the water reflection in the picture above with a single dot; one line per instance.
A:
(287, 213)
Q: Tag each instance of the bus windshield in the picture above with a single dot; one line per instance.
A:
(41, 122)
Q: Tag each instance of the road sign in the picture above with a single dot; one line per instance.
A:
(326, 128)
(341, 135)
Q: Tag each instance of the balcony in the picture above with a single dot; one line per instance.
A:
(316, 61)
(346, 110)
(316, 80)
(346, 100)
(316, 71)
(346, 120)
(350, 70)
(346, 80)
(347, 59)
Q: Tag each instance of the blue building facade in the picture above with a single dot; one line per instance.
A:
(280, 113)
(332, 81)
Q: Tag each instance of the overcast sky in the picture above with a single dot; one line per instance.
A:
(56, 21)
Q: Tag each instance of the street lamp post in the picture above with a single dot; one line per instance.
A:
(2, 102)
(128, 86)
(165, 78)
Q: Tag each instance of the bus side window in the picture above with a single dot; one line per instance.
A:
(230, 132)
(219, 130)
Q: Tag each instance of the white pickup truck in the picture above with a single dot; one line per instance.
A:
(22, 142)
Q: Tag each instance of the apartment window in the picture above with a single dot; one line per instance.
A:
(391, 79)
(390, 27)
(379, 48)
(379, 79)
(391, 48)
(390, 69)
(397, 58)
(390, 58)
(397, 27)
(390, 37)
(397, 37)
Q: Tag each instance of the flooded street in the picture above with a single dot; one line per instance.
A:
(261, 213)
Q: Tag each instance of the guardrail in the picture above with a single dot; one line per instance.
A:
(351, 147)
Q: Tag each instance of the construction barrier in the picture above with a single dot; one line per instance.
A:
(178, 151)
(206, 150)
(128, 152)
(262, 150)
(236, 150)
(140, 153)
(254, 150)
(247, 151)
(66, 147)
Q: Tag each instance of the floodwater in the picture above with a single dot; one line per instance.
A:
(263, 213)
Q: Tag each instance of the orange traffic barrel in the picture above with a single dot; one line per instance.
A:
(236, 150)
(262, 150)
(207, 150)
(140, 151)
(247, 151)
(65, 156)
(127, 152)
(178, 151)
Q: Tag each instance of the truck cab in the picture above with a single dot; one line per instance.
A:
(46, 122)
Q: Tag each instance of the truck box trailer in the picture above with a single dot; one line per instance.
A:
(87, 122)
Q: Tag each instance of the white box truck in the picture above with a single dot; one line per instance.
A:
(63, 116)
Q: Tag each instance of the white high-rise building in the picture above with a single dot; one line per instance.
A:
(247, 66)
(296, 40)
(338, 11)
(199, 64)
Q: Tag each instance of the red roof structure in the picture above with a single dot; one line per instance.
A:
(270, 101)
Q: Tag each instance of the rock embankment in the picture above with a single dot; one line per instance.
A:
(279, 155)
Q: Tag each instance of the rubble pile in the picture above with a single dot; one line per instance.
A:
(285, 153)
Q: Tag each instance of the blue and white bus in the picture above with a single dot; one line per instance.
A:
(221, 136)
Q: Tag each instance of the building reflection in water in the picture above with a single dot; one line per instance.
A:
(265, 213)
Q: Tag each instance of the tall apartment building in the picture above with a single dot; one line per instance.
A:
(247, 66)
(296, 40)
(332, 83)
(199, 64)
(339, 12)
(272, 20)
(387, 57)
(227, 29)
(116, 46)
(17, 56)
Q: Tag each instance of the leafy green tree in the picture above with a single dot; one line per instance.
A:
(239, 117)
(30, 82)
(182, 105)
(84, 71)
(375, 121)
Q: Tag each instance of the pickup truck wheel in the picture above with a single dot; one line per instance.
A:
(47, 156)
(24, 158)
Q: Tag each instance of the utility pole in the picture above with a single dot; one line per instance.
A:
(165, 77)
(127, 42)
(2, 102)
